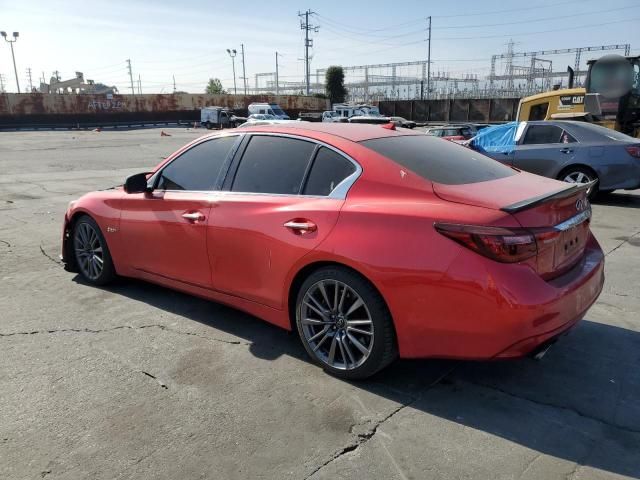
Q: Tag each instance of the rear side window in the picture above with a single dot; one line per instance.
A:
(539, 134)
(273, 165)
(197, 168)
(328, 170)
(439, 161)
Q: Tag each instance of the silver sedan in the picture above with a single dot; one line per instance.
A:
(577, 152)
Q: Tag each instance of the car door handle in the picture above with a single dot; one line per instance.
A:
(301, 226)
(193, 216)
(566, 150)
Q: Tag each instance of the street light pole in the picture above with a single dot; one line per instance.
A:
(232, 54)
(11, 42)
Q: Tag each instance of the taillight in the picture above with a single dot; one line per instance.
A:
(633, 150)
(506, 245)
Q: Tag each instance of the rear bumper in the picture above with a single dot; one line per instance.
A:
(486, 310)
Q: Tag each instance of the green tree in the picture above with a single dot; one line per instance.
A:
(334, 84)
(214, 87)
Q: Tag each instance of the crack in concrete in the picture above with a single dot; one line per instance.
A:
(42, 187)
(57, 262)
(156, 379)
(558, 407)
(622, 243)
(121, 327)
(362, 438)
(530, 464)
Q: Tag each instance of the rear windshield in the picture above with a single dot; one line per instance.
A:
(439, 160)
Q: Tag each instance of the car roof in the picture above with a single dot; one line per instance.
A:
(586, 131)
(355, 132)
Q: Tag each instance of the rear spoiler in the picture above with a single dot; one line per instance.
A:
(572, 189)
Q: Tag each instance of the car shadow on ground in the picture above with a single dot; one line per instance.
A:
(618, 199)
(579, 403)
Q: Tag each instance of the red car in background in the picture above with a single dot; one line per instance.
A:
(454, 133)
(371, 243)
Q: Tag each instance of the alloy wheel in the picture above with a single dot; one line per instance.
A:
(89, 250)
(577, 177)
(336, 324)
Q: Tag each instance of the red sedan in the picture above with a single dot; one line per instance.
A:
(371, 243)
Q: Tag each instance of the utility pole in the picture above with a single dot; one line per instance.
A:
(1, 83)
(11, 42)
(174, 83)
(139, 85)
(277, 83)
(244, 74)
(304, 25)
(232, 54)
(133, 91)
(30, 81)
(429, 62)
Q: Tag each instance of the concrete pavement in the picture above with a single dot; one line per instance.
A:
(137, 381)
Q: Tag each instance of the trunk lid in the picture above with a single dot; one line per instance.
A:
(557, 213)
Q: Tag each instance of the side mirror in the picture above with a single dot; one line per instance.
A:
(136, 183)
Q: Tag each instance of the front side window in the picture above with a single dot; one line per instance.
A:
(273, 165)
(540, 134)
(197, 168)
(328, 170)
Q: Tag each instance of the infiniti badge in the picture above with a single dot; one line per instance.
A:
(581, 204)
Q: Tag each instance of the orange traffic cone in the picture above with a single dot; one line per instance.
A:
(164, 134)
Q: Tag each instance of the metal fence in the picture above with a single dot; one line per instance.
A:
(482, 110)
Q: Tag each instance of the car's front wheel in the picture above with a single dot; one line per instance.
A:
(344, 323)
(91, 253)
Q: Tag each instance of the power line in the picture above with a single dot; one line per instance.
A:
(541, 31)
(519, 9)
(533, 20)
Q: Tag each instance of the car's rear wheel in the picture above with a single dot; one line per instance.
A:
(344, 323)
(579, 174)
(91, 252)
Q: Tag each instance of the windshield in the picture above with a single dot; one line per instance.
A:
(277, 111)
(613, 78)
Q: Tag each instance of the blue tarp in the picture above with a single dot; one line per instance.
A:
(497, 139)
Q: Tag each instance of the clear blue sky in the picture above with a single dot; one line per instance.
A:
(189, 39)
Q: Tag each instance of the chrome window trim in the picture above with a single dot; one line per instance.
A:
(573, 221)
(339, 192)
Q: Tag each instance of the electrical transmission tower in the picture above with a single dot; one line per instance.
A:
(30, 80)
(2, 80)
(308, 42)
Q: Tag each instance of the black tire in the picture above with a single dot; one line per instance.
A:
(91, 253)
(350, 287)
(580, 173)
